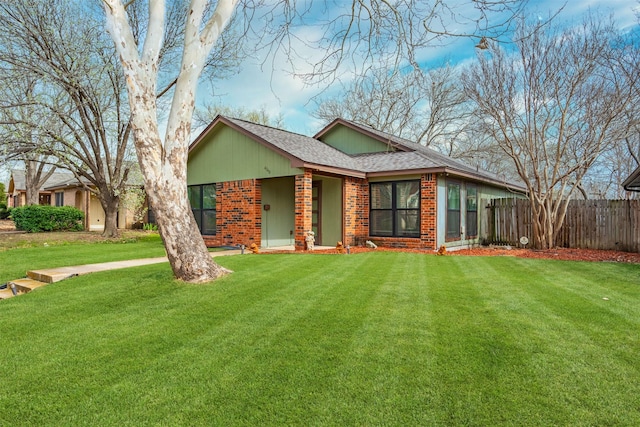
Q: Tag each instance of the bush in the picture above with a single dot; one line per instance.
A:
(150, 227)
(35, 218)
(4, 210)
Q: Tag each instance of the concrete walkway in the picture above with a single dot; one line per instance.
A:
(38, 278)
(51, 275)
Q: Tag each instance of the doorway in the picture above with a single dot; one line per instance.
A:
(316, 210)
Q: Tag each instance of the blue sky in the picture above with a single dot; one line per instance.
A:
(279, 92)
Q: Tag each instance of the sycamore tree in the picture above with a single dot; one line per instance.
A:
(349, 34)
(553, 104)
(427, 107)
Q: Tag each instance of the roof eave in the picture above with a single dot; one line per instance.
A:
(418, 171)
(632, 183)
(328, 169)
(487, 180)
(449, 171)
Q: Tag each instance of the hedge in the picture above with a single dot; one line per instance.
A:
(4, 210)
(36, 218)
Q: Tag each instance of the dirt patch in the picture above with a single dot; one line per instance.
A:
(7, 225)
(11, 240)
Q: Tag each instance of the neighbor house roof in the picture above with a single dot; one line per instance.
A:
(632, 183)
(20, 184)
(305, 151)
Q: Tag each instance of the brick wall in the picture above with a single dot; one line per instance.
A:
(238, 213)
(303, 203)
(357, 213)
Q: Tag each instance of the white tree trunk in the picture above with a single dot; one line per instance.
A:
(164, 164)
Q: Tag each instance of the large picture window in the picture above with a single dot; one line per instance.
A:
(203, 205)
(395, 209)
(472, 211)
(453, 210)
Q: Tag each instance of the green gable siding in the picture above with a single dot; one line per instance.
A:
(352, 142)
(228, 155)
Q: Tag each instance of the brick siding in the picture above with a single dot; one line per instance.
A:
(238, 213)
(356, 211)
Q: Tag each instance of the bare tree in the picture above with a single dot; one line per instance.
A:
(205, 115)
(553, 106)
(362, 30)
(384, 99)
(80, 115)
(429, 108)
(17, 139)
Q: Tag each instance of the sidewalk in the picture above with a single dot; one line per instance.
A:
(38, 278)
(61, 273)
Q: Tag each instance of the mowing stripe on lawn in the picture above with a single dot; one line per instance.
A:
(365, 339)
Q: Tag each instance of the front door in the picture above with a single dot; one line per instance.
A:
(316, 210)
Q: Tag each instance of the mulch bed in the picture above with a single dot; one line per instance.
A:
(557, 253)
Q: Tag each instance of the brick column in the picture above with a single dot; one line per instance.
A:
(356, 211)
(303, 206)
(428, 211)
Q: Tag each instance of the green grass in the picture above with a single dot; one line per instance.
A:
(21, 254)
(366, 339)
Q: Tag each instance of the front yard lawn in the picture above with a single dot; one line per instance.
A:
(32, 251)
(365, 339)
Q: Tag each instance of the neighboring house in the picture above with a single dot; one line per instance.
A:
(64, 189)
(250, 183)
(632, 183)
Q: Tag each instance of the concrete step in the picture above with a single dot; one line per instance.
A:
(23, 286)
(52, 275)
(5, 293)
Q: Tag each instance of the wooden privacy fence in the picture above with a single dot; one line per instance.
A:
(589, 224)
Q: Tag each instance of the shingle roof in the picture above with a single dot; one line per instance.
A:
(429, 157)
(393, 161)
(304, 148)
(55, 180)
(311, 152)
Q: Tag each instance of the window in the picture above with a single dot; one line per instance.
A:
(60, 198)
(203, 205)
(472, 211)
(395, 209)
(453, 210)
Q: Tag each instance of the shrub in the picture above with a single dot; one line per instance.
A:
(35, 218)
(4, 210)
(150, 227)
